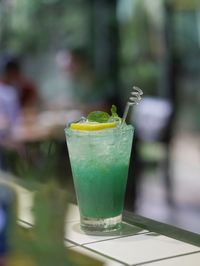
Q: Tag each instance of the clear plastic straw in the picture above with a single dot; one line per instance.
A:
(135, 98)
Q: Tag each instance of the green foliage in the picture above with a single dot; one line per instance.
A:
(114, 111)
(98, 116)
(35, 26)
(43, 244)
(103, 117)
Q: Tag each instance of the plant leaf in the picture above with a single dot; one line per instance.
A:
(98, 116)
(114, 111)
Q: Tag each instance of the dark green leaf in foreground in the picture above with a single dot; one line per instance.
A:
(98, 116)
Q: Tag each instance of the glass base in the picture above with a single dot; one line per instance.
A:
(100, 225)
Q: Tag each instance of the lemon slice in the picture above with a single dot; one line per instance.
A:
(92, 126)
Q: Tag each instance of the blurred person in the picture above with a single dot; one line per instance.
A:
(9, 109)
(12, 75)
(9, 115)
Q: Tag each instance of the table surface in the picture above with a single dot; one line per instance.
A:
(141, 241)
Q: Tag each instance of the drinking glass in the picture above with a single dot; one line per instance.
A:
(100, 161)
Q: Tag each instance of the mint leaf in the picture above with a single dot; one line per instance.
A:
(103, 117)
(98, 116)
(114, 111)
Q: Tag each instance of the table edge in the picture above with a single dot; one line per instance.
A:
(162, 228)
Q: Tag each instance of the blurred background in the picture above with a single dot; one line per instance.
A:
(61, 59)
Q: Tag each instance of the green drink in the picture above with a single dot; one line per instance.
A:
(99, 161)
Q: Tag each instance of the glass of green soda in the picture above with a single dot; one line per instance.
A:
(99, 156)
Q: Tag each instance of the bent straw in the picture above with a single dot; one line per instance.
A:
(135, 98)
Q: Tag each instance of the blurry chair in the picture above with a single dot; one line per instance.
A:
(152, 120)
